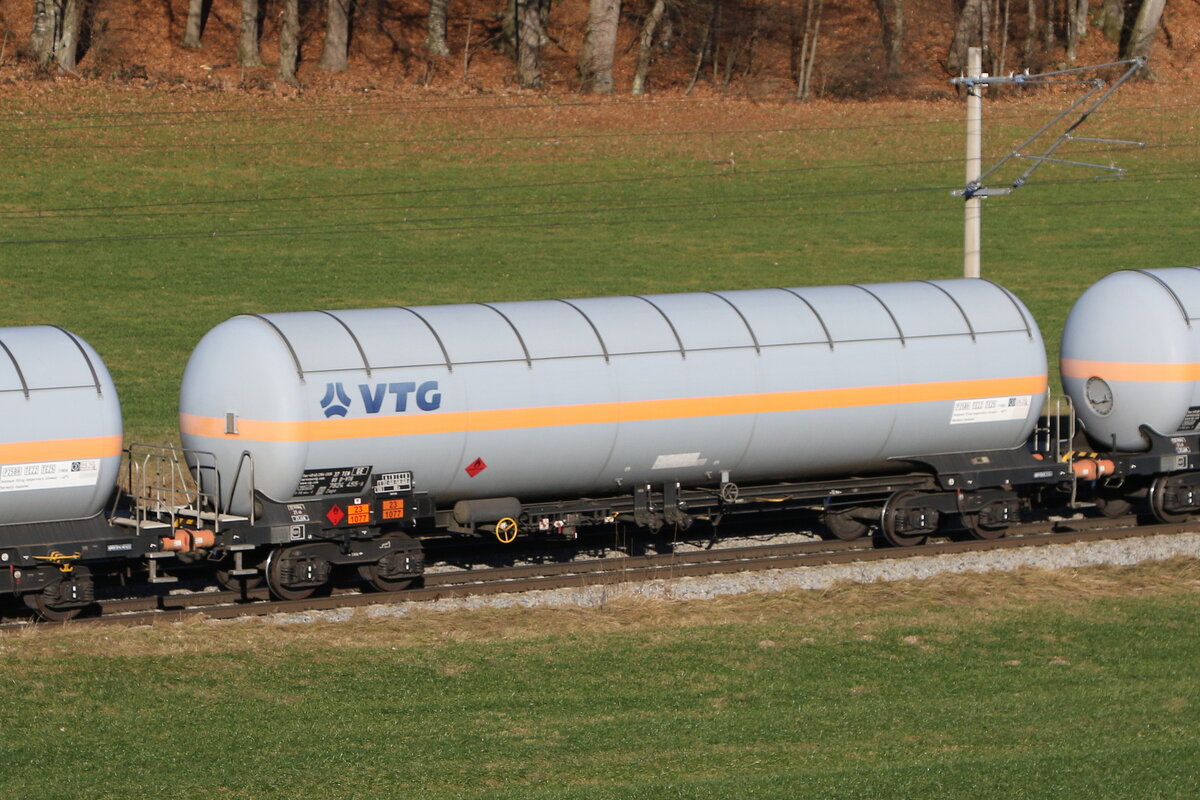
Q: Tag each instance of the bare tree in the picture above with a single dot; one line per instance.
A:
(740, 50)
(666, 34)
(529, 44)
(337, 36)
(1077, 21)
(645, 43)
(510, 34)
(1002, 25)
(1049, 37)
(248, 54)
(195, 23)
(891, 19)
(544, 22)
(599, 45)
(67, 47)
(1111, 19)
(57, 29)
(705, 49)
(45, 30)
(289, 42)
(435, 37)
(969, 32)
(1140, 39)
(808, 49)
(1031, 28)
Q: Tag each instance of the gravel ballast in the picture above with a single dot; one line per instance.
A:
(1052, 557)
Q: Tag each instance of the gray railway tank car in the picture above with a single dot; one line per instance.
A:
(61, 438)
(563, 398)
(60, 453)
(1131, 356)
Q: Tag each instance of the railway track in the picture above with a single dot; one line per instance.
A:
(454, 583)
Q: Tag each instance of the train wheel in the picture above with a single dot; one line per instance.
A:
(47, 610)
(843, 526)
(1158, 505)
(279, 575)
(977, 530)
(398, 568)
(236, 583)
(891, 522)
(371, 574)
(1113, 506)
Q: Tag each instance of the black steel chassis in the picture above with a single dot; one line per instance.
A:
(1167, 475)
(983, 484)
(296, 545)
(54, 560)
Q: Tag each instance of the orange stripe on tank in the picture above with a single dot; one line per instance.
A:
(1130, 371)
(60, 449)
(600, 413)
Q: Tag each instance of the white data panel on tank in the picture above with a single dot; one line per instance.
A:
(991, 409)
(49, 475)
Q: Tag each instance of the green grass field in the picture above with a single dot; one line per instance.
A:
(140, 220)
(1036, 684)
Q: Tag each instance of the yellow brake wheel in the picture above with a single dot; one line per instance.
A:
(506, 530)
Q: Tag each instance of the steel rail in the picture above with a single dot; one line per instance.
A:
(603, 572)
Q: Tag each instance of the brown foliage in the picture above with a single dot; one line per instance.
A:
(749, 53)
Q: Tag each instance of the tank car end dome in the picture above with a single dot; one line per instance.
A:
(61, 437)
(1131, 356)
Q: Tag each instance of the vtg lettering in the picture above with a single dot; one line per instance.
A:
(399, 397)
(426, 395)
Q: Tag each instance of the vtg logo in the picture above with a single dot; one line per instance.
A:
(337, 400)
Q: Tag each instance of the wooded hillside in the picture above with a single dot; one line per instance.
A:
(779, 49)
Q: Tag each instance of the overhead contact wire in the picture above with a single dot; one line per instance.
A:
(419, 226)
(652, 203)
(640, 179)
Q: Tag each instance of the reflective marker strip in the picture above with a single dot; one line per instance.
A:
(60, 449)
(601, 413)
(1129, 371)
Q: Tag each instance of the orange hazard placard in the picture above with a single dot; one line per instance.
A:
(393, 509)
(358, 514)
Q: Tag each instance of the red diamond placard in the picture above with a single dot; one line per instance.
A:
(475, 467)
(335, 514)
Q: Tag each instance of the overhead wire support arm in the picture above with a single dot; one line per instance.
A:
(975, 189)
(1132, 65)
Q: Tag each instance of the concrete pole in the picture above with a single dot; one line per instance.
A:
(972, 234)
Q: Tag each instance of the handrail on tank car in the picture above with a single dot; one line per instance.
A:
(214, 499)
(155, 489)
(245, 457)
(170, 491)
(196, 467)
(1051, 440)
(1050, 437)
